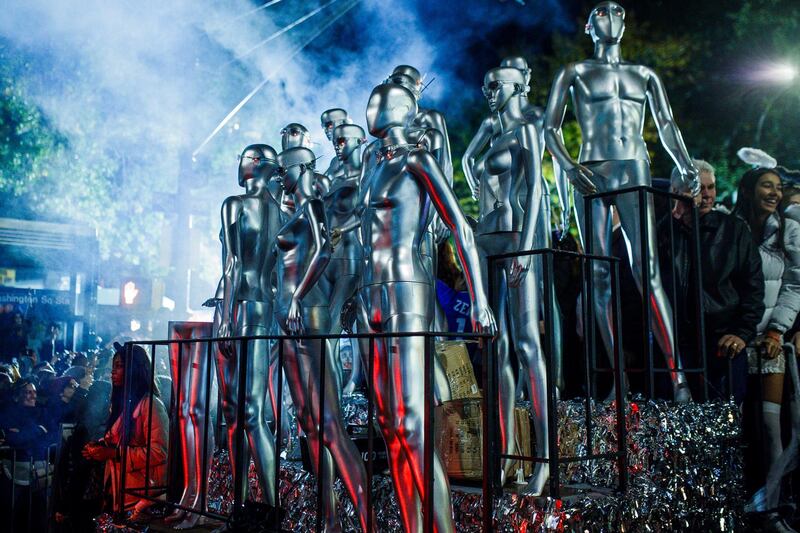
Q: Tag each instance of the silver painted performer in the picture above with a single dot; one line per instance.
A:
(302, 248)
(397, 295)
(510, 207)
(609, 97)
(344, 270)
(249, 224)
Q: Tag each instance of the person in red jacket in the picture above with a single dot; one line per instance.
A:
(143, 421)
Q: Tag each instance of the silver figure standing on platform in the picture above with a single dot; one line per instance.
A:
(397, 295)
(302, 247)
(249, 224)
(189, 366)
(344, 270)
(510, 190)
(609, 97)
(490, 128)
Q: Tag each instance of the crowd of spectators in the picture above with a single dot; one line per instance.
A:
(51, 409)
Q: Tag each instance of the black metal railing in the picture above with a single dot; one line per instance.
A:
(645, 196)
(153, 493)
(491, 456)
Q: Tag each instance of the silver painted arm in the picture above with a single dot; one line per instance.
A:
(475, 147)
(562, 188)
(315, 211)
(579, 175)
(668, 131)
(446, 160)
(528, 139)
(424, 167)
(232, 272)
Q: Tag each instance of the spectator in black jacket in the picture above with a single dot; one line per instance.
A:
(732, 285)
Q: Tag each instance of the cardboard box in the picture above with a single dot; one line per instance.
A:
(459, 435)
(454, 358)
(459, 439)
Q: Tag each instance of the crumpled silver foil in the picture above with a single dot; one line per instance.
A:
(354, 410)
(684, 466)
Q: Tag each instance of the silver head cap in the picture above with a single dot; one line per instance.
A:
(294, 135)
(389, 106)
(255, 161)
(346, 138)
(332, 118)
(294, 162)
(519, 63)
(406, 81)
(606, 23)
(409, 71)
(500, 84)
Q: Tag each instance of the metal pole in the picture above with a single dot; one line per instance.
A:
(206, 423)
(321, 436)
(589, 371)
(370, 431)
(242, 462)
(588, 310)
(126, 401)
(428, 437)
(675, 333)
(489, 415)
(552, 411)
(701, 315)
(278, 429)
(150, 419)
(648, 343)
(619, 381)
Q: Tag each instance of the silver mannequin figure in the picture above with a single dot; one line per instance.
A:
(292, 136)
(397, 295)
(510, 206)
(489, 128)
(344, 270)
(189, 370)
(249, 223)
(609, 97)
(329, 120)
(428, 129)
(302, 247)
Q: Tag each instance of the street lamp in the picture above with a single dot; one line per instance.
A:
(781, 73)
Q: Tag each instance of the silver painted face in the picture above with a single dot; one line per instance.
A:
(295, 135)
(606, 23)
(332, 118)
(500, 85)
(293, 163)
(346, 139)
(389, 106)
(257, 160)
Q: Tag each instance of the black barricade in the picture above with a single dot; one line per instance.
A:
(492, 453)
(645, 196)
(155, 493)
